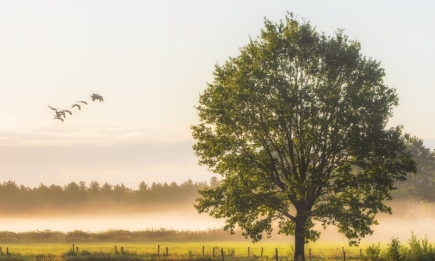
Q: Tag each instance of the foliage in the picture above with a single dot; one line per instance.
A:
(418, 250)
(420, 185)
(16, 199)
(373, 252)
(296, 126)
(394, 250)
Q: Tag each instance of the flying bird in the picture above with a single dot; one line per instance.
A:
(58, 113)
(76, 105)
(58, 118)
(97, 97)
(54, 109)
(70, 113)
(83, 102)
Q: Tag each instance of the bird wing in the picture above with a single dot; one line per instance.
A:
(76, 105)
(84, 102)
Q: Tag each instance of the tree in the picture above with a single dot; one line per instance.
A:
(296, 125)
(419, 185)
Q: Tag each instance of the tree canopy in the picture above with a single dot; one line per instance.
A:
(296, 125)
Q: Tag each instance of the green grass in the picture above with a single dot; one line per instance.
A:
(182, 248)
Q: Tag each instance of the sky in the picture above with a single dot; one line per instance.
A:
(150, 60)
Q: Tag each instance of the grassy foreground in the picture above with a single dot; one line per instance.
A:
(190, 250)
(414, 250)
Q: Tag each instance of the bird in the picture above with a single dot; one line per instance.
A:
(58, 113)
(58, 118)
(54, 109)
(76, 105)
(83, 102)
(70, 113)
(97, 97)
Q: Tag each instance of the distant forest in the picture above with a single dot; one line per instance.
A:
(21, 199)
(121, 235)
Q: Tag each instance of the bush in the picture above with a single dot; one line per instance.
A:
(373, 253)
(393, 252)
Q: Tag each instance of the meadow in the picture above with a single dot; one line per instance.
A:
(236, 250)
(413, 250)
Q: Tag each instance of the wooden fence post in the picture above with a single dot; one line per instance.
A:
(276, 254)
(202, 251)
(309, 253)
(7, 250)
(344, 256)
(77, 248)
(167, 251)
(222, 253)
(249, 251)
(213, 251)
(261, 252)
(116, 250)
(73, 247)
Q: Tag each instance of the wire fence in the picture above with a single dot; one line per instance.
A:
(164, 253)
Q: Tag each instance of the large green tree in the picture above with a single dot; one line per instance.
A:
(296, 125)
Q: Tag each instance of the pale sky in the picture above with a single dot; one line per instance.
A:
(150, 60)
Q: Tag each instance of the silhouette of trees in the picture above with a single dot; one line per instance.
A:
(19, 198)
(15, 197)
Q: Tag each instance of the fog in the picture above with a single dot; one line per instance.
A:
(179, 220)
(406, 217)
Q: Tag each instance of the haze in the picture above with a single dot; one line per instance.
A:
(150, 60)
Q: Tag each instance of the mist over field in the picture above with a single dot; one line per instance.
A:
(95, 208)
(407, 216)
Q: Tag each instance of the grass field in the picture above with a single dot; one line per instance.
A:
(325, 250)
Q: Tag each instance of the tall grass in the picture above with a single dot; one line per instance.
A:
(415, 250)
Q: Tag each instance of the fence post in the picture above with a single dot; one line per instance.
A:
(116, 250)
(202, 251)
(158, 251)
(261, 252)
(309, 254)
(222, 253)
(7, 250)
(276, 254)
(344, 256)
(77, 248)
(249, 251)
(213, 251)
(167, 251)
(73, 247)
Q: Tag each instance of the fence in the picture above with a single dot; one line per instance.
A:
(164, 253)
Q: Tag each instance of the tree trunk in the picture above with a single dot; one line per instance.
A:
(300, 239)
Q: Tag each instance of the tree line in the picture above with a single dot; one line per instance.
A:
(118, 235)
(14, 197)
